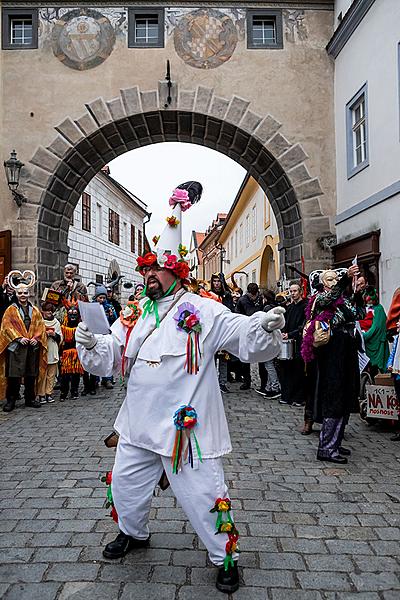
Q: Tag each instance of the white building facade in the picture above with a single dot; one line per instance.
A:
(366, 50)
(107, 234)
(250, 238)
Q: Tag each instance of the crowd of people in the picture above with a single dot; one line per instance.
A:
(324, 378)
(37, 344)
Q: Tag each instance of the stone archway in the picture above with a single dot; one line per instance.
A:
(59, 173)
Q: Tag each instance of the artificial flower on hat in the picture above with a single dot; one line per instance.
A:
(170, 253)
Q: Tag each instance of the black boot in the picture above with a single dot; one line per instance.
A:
(228, 581)
(33, 403)
(9, 405)
(122, 545)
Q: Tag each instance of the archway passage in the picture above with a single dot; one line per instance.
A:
(107, 130)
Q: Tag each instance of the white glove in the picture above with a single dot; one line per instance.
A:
(273, 319)
(85, 337)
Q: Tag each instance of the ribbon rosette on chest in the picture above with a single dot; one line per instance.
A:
(185, 420)
(187, 319)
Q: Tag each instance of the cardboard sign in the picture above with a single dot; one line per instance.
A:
(382, 402)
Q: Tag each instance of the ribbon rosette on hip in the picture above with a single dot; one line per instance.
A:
(185, 419)
(187, 319)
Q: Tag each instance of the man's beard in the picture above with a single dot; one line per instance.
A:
(155, 293)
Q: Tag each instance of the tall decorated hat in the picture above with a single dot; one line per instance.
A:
(169, 252)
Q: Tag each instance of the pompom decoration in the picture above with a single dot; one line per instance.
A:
(187, 319)
(109, 503)
(225, 524)
(182, 250)
(185, 419)
(172, 221)
(180, 197)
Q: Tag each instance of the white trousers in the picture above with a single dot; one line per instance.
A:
(137, 471)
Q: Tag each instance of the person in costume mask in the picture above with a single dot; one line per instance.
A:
(375, 337)
(338, 376)
(23, 344)
(173, 417)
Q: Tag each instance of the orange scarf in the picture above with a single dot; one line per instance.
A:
(12, 328)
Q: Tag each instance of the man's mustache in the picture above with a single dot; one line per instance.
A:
(150, 279)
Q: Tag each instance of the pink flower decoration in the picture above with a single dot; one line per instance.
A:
(171, 261)
(180, 197)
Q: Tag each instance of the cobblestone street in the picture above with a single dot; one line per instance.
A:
(308, 530)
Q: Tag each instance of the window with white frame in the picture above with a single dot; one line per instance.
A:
(19, 28)
(254, 276)
(241, 237)
(357, 132)
(146, 27)
(254, 222)
(264, 29)
(236, 243)
(247, 230)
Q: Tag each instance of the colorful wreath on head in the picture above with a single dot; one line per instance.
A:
(167, 261)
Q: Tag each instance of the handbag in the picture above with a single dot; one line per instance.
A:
(322, 331)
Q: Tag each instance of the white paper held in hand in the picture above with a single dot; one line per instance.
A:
(92, 313)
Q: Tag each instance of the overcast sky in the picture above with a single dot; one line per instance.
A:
(152, 172)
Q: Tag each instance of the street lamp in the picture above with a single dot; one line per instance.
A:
(222, 253)
(13, 168)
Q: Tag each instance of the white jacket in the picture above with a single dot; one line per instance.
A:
(158, 384)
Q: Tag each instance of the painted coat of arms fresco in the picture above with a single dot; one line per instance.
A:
(83, 38)
(205, 38)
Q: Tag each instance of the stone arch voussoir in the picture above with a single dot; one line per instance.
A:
(56, 175)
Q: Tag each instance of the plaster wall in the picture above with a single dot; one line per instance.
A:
(92, 251)
(294, 84)
(370, 56)
(341, 6)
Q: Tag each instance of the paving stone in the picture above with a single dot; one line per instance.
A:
(203, 592)
(189, 558)
(79, 572)
(50, 539)
(330, 563)
(294, 595)
(168, 574)
(149, 590)
(14, 573)
(268, 579)
(15, 555)
(348, 547)
(125, 572)
(324, 581)
(303, 546)
(87, 590)
(51, 555)
(281, 560)
(375, 581)
(77, 525)
(32, 591)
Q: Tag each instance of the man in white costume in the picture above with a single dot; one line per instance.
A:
(173, 418)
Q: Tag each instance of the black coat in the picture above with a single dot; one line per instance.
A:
(247, 306)
(294, 323)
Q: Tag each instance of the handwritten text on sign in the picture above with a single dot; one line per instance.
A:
(382, 402)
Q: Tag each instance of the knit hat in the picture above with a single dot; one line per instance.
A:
(169, 251)
(100, 290)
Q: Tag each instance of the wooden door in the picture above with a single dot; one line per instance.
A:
(5, 254)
